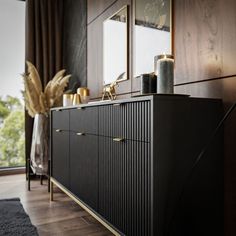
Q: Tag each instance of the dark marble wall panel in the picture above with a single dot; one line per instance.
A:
(75, 41)
(97, 7)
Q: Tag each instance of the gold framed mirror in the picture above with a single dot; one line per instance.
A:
(116, 47)
(152, 33)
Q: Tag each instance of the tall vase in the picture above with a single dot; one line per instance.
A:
(40, 145)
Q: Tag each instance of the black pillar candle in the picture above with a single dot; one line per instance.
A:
(153, 83)
(148, 83)
(144, 79)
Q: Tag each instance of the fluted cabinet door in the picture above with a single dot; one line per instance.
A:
(84, 167)
(60, 156)
(125, 185)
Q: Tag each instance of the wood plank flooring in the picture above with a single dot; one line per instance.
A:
(62, 217)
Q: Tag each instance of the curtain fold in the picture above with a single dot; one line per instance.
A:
(44, 24)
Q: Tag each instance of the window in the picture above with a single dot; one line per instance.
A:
(12, 57)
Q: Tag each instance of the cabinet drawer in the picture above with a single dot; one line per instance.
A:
(84, 120)
(126, 120)
(60, 119)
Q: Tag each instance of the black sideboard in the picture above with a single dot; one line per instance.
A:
(127, 162)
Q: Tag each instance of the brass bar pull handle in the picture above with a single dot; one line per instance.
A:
(58, 130)
(116, 104)
(80, 134)
(118, 139)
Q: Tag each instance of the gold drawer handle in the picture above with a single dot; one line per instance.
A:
(118, 139)
(58, 130)
(80, 134)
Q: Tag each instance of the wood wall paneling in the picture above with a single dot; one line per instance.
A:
(75, 41)
(95, 49)
(229, 36)
(205, 35)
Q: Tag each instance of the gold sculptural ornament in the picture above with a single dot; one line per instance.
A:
(110, 91)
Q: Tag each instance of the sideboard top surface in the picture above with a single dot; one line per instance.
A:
(136, 99)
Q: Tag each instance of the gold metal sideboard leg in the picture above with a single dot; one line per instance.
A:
(51, 190)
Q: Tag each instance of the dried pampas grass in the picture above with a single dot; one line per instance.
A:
(38, 101)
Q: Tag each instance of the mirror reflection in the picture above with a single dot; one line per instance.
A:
(115, 47)
(152, 33)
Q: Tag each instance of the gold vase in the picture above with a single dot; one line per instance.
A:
(84, 94)
(76, 99)
(68, 99)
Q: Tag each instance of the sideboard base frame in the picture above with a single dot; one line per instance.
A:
(73, 197)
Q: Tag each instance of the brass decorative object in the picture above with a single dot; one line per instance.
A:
(84, 94)
(109, 91)
(76, 99)
(118, 139)
(68, 99)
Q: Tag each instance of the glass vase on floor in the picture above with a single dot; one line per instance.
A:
(40, 145)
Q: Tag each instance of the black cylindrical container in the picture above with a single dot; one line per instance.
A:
(148, 83)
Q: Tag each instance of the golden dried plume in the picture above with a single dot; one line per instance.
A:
(37, 100)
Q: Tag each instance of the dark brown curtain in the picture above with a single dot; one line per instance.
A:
(44, 23)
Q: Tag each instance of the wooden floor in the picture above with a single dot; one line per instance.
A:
(62, 217)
